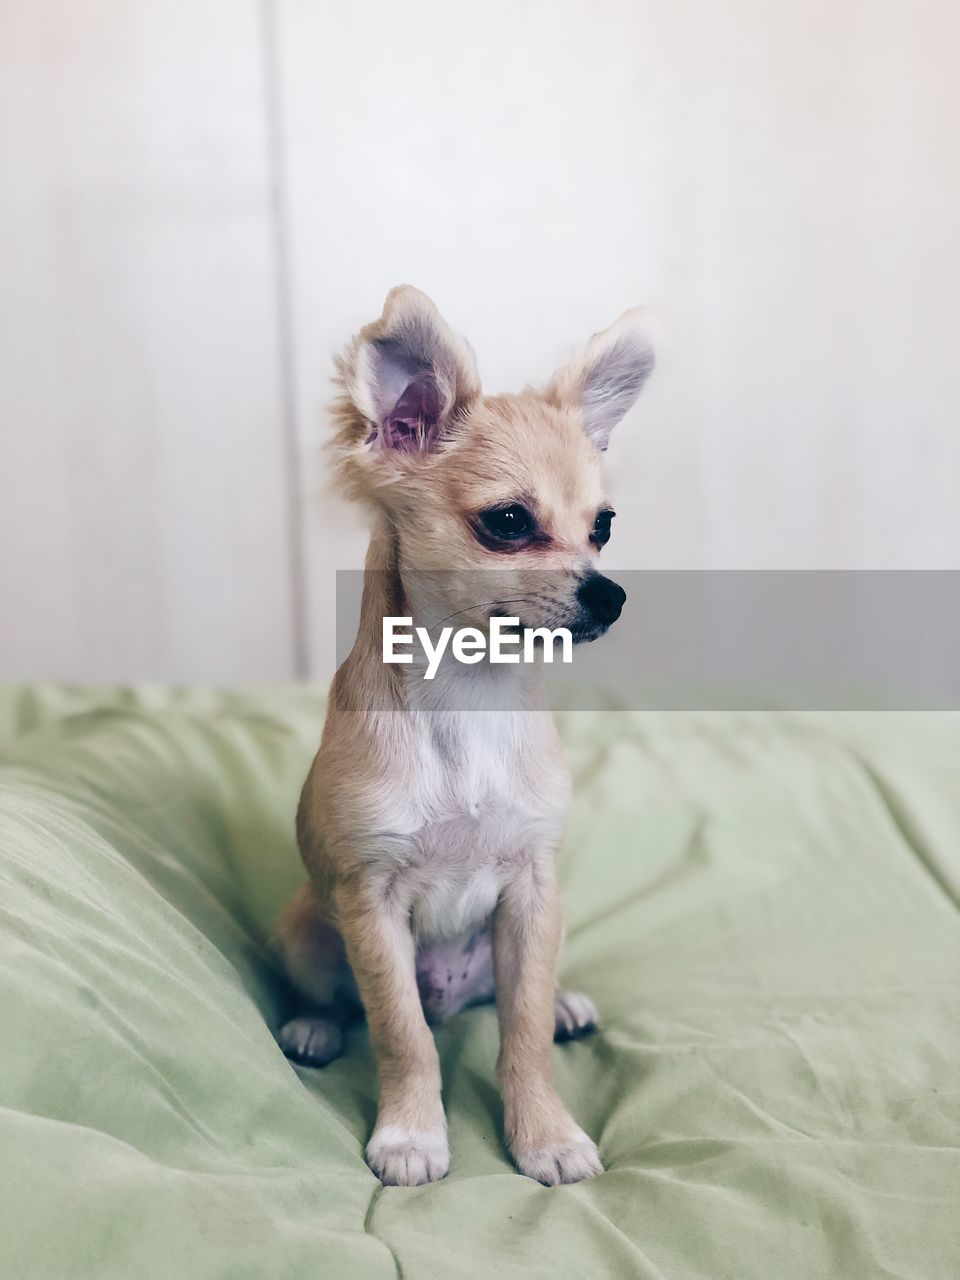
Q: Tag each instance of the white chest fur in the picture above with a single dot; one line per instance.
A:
(480, 793)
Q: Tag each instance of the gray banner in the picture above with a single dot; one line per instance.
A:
(801, 640)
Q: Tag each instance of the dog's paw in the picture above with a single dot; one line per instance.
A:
(576, 1015)
(561, 1162)
(313, 1042)
(408, 1157)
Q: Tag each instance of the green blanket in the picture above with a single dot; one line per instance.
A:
(764, 907)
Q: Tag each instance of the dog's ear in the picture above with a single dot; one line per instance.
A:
(606, 375)
(406, 378)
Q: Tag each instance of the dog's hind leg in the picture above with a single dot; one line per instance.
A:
(312, 1040)
(316, 964)
(575, 1015)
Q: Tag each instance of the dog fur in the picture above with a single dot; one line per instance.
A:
(429, 822)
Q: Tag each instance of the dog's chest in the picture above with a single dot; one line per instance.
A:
(480, 813)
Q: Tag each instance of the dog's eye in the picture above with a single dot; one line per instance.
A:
(601, 528)
(507, 524)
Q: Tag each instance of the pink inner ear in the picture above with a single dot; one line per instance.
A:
(413, 423)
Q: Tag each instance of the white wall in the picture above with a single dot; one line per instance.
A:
(143, 502)
(217, 205)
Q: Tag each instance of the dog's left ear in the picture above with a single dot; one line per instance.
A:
(607, 374)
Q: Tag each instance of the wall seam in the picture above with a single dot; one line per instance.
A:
(286, 342)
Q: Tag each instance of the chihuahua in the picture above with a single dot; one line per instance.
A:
(429, 823)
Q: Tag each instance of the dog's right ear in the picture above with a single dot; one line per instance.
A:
(406, 379)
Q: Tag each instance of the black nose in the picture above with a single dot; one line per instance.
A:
(601, 597)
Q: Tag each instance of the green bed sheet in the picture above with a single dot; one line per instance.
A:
(763, 905)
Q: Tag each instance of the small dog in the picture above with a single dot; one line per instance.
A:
(429, 825)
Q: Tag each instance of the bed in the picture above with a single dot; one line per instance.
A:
(764, 906)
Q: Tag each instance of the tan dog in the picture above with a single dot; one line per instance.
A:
(429, 823)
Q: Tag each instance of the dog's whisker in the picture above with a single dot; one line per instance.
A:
(490, 604)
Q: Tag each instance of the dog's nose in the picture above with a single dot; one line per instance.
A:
(601, 597)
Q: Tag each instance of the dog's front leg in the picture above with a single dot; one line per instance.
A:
(544, 1139)
(409, 1143)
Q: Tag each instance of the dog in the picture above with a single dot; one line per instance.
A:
(429, 823)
